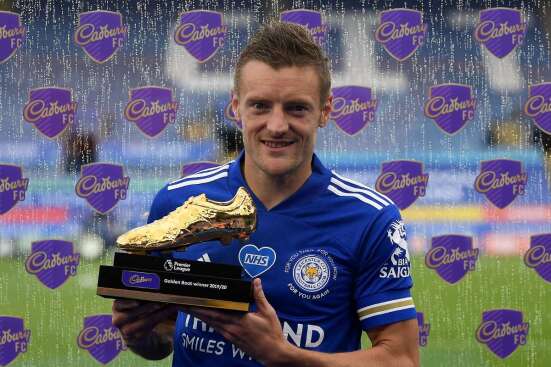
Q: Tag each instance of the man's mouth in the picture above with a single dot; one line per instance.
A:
(276, 144)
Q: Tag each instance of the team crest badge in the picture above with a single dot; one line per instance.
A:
(452, 256)
(538, 105)
(230, 117)
(500, 30)
(50, 110)
(100, 33)
(451, 106)
(53, 262)
(13, 186)
(353, 108)
(538, 256)
(502, 331)
(12, 34)
(401, 32)
(194, 167)
(312, 271)
(402, 181)
(501, 181)
(102, 185)
(15, 339)
(201, 32)
(101, 338)
(309, 19)
(151, 109)
(256, 261)
(424, 330)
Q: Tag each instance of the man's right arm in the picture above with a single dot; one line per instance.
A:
(146, 327)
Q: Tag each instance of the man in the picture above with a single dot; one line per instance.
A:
(333, 265)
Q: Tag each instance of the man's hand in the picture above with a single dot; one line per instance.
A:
(257, 333)
(146, 327)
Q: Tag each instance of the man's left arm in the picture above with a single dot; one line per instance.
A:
(259, 334)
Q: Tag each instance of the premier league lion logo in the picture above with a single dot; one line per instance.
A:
(397, 235)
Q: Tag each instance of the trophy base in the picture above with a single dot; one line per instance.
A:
(184, 282)
(168, 298)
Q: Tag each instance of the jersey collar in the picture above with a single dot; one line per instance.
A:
(309, 191)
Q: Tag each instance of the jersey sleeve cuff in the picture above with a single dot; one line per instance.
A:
(386, 308)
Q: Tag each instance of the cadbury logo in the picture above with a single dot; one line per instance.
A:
(188, 32)
(139, 279)
(9, 337)
(390, 181)
(440, 255)
(7, 185)
(341, 108)
(536, 256)
(92, 336)
(11, 32)
(88, 185)
(488, 30)
(536, 105)
(437, 106)
(492, 330)
(139, 108)
(87, 33)
(38, 109)
(388, 31)
(490, 180)
(39, 261)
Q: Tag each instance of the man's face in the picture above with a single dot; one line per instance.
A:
(281, 112)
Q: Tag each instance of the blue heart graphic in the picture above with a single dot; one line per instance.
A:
(256, 261)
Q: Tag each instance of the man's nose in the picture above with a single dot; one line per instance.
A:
(277, 121)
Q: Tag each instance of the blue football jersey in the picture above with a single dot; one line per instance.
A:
(333, 260)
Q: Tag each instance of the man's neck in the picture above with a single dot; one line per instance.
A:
(272, 190)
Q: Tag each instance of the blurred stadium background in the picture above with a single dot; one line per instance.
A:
(150, 56)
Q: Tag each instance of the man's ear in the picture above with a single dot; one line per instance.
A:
(235, 104)
(326, 111)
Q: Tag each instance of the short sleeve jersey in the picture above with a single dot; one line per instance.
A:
(333, 260)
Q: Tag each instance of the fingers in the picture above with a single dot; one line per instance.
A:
(260, 299)
(125, 311)
(143, 326)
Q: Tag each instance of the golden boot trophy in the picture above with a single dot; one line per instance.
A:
(161, 279)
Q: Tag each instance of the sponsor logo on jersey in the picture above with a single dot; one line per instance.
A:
(502, 331)
(399, 263)
(311, 271)
(538, 256)
(256, 261)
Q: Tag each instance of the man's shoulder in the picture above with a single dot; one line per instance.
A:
(207, 181)
(354, 199)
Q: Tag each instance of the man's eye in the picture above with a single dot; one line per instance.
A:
(259, 106)
(297, 108)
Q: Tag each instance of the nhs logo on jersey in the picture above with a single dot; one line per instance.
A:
(256, 261)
